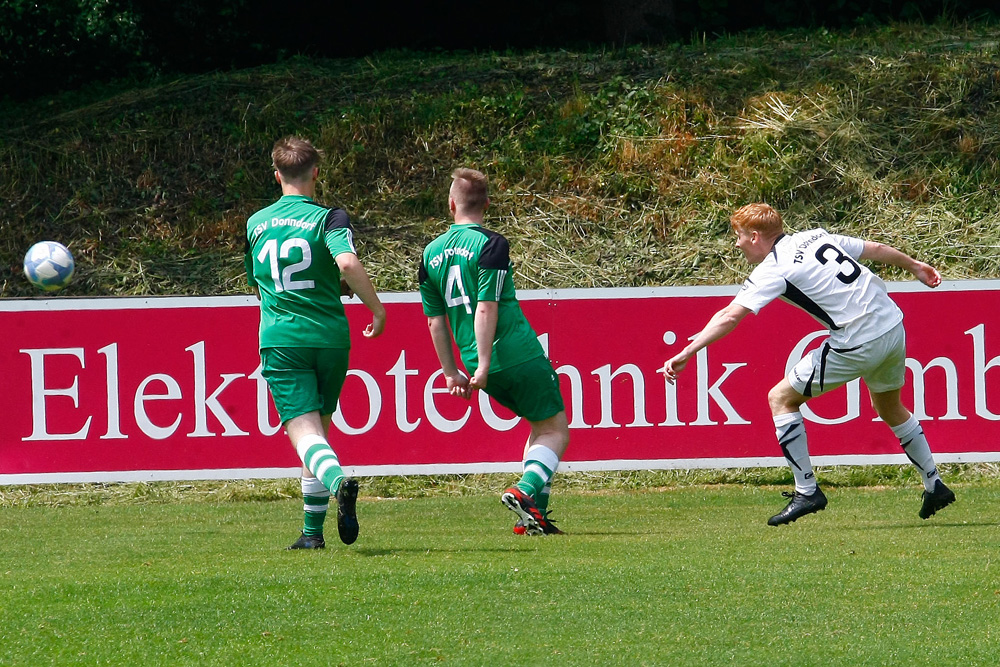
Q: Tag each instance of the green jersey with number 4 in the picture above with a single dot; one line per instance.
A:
(466, 265)
(290, 258)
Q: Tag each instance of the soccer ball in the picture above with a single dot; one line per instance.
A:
(49, 265)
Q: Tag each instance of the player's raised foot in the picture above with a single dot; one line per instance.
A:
(521, 504)
(936, 500)
(308, 542)
(531, 519)
(799, 505)
(347, 516)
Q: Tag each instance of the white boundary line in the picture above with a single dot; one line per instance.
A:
(478, 468)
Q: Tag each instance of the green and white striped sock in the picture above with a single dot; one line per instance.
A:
(540, 464)
(320, 459)
(542, 499)
(315, 502)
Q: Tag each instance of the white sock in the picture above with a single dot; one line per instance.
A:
(790, 430)
(911, 437)
(312, 489)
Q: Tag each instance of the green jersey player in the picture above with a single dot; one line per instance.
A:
(299, 259)
(466, 286)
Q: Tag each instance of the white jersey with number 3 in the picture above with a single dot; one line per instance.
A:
(818, 272)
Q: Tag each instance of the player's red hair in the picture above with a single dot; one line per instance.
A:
(759, 218)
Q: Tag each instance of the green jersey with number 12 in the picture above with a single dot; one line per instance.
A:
(466, 265)
(290, 251)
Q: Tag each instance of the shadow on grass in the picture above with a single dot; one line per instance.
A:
(934, 524)
(604, 533)
(377, 553)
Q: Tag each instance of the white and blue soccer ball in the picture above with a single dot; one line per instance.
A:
(49, 265)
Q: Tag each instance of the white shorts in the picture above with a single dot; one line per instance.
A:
(881, 363)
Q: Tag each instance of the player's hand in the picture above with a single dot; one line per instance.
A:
(458, 385)
(377, 326)
(478, 380)
(673, 367)
(927, 274)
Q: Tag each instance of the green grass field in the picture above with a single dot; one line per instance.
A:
(683, 576)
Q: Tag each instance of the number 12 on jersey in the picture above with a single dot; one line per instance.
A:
(282, 276)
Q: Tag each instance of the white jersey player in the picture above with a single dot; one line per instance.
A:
(819, 272)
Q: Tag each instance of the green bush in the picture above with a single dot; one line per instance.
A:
(49, 45)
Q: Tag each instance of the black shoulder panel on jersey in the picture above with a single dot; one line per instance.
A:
(337, 218)
(774, 246)
(797, 297)
(496, 253)
(422, 274)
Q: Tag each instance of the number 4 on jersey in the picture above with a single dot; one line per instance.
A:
(454, 285)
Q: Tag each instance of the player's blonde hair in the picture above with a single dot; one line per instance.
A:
(468, 189)
(295, 158)
(759, 218)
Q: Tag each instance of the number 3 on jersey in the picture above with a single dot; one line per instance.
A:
(282, 277)
(454, 285)
(846, 262)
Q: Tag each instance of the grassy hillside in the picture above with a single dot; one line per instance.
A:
(608, 168)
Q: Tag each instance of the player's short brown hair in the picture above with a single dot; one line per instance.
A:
(295, 158)
(759, 218)
(468, 189)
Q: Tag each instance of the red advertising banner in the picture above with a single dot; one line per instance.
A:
(123, 389)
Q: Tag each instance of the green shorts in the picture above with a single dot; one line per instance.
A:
(529, 389)
(304, 379)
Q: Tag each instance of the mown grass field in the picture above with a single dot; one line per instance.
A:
(683, 576)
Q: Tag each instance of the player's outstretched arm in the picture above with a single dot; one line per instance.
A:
(357, 279)
(458, 383)
(886, 254)
(718, 326)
